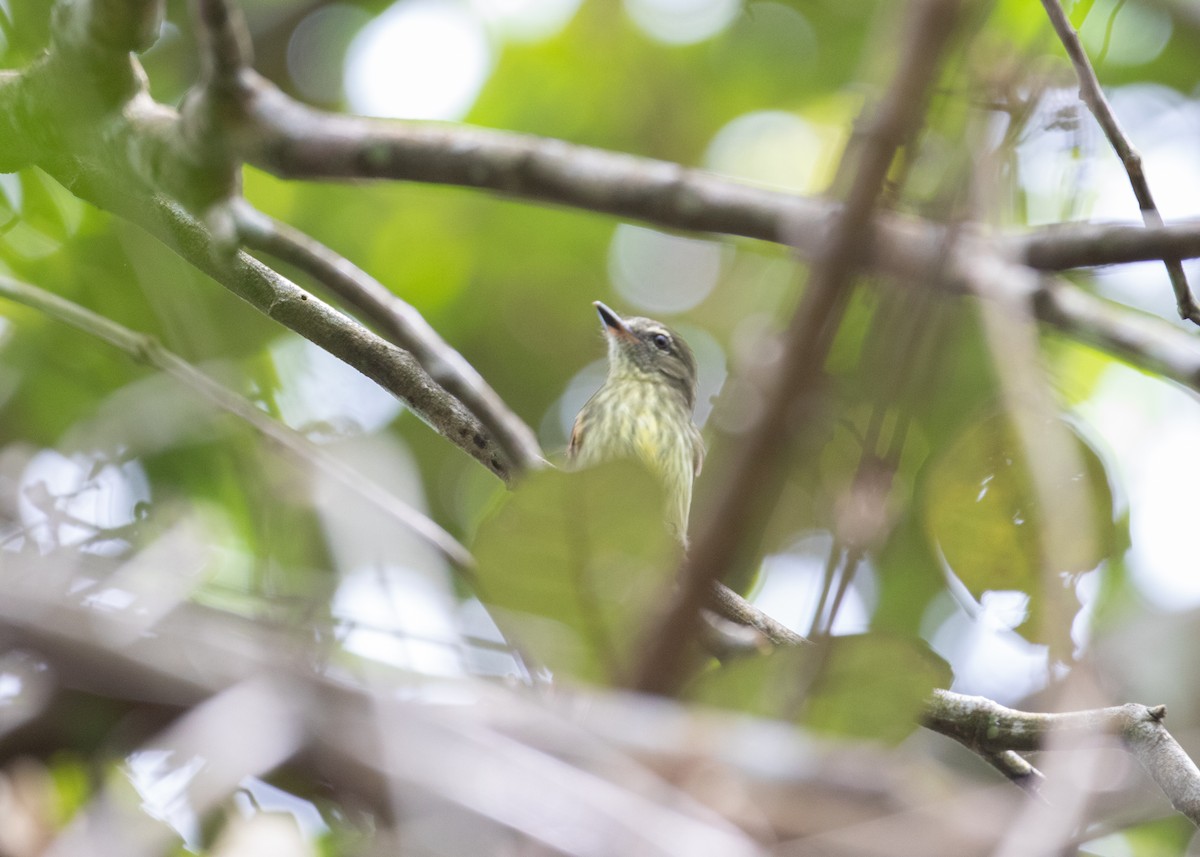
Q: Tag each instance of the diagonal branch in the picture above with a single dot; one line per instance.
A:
(400, 323)
(149, 350)
(1093, 96)
(1148, 342)
(731, 529)
(282, 300)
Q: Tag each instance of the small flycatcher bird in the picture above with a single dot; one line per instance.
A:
(644, 410)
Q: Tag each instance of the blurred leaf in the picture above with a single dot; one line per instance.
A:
(1118, 596)
(576, 561)
(72, 785)
(1078, 10)
(873, 686)
(910, 577)
(980, 511)
(763, 686)
(1163, 837)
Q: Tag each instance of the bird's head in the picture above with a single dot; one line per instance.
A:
(646, 349)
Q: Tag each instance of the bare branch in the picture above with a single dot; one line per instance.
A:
(295, 141)
(731, 527)
(987, 728)
(736, 608)
(1082, 245)
(1018, 770)
(273, 294)
(225, 49)
(1145, 341)
(149, 350)
(1093, 96)
(400, 323)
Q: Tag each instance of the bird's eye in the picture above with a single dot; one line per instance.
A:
(661, 341)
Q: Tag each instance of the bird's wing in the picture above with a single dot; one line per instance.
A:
(577, 432)
(697, 452)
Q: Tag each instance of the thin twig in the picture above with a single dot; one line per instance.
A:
(1093, 96)
(400, 323)
(1018, 770)
(731, 527)
(148, 350)
(737, 609)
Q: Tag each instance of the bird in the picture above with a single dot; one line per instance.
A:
(644, 410)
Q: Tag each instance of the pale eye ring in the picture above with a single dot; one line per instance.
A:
(661, 341)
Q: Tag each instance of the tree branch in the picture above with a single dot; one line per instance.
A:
(1093, 96)
(1145, 341)
(737, 609)
(277, 297)
(1063, 246)
(988, 728)
(148, 350)
(400, 323)
(732, 527)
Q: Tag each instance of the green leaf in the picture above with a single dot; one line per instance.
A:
(873, 686)
(909, 579)
(763, 686)
(575, 562)
(1078, 11)
(981, 512)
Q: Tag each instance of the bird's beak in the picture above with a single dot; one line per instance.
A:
(613, 323)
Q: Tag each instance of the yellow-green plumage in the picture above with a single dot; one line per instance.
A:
(644, 410)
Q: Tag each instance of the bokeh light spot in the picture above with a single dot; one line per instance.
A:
(682, 22)
(316, 51)
(1125, 33)
(421, 59)
(771, 147)
(526, 20)
(662, 273)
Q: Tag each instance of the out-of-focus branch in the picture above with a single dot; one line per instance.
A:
(731, 528)
(988, 728)
(224, 42)
(149, 350)
(400, 323)
(119, 26)
(1017, 769)
(1148, 342)
(1093, 96)
(364, 741)
(270, 728)
(1082, 245)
